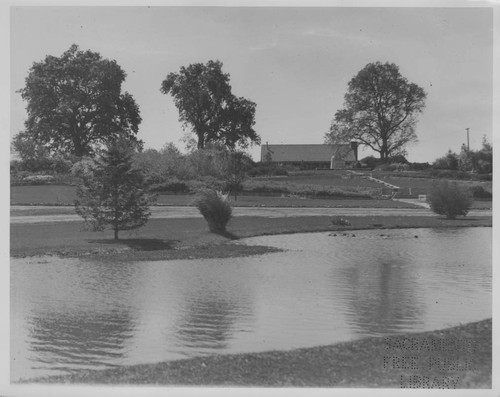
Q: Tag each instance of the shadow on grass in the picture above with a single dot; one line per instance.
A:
(141, 244)
(226, 234)
(462, 218)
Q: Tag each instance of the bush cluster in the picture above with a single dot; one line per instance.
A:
(442, 174)
(23, 178)
(370, 162)
(447, 162)
(215, 208)
(484, 177)
(419, 166)
(397, 163)
(55, 164)
(479, 192)
(338, 221)
(38, 179)
(264, 169)
(177, 186)
(393, 167)
(171, 186)
(480, 161)
(213, 161)
(453, 174)
(256, 186)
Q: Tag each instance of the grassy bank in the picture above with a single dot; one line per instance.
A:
(363, 363)
(65, 195)
(189, 238)
(58, 195)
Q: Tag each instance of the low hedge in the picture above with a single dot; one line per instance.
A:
(266, 170)
(176, 186)
(479, 192)
(26, 178)
(253, 186)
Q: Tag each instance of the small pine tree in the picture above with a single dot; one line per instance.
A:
(113, 192)
(449, 199)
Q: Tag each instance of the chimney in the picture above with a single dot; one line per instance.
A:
(354, 147)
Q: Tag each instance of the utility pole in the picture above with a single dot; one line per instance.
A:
(468, 151)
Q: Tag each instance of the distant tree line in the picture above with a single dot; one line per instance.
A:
(480, 161)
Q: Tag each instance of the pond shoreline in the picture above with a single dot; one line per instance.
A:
(173, 239)
(360, 363)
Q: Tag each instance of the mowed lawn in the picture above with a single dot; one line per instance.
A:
(423, 185)
(66, 195)
(58, 195)
(349, 182)
(323, 178)
(43, 194)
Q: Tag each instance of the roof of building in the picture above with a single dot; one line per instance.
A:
(311, 152)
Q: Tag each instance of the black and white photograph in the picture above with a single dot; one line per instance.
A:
(286, 196)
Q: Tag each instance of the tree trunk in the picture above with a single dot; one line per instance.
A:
(383, 152)
(116, 234)
(79, 148)
(201, 141)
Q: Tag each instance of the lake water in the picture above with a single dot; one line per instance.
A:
(69, 314)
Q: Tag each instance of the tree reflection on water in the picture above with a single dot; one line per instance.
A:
(214, 308)
(65, 341)
(381, 297)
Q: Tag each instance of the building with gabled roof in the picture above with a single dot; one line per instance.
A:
(311, 156)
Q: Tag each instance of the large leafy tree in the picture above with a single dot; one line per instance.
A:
(75, 103)
(206, 105)
(113, 191)
(380, 109)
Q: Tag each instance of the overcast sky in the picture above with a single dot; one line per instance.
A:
(295, 63)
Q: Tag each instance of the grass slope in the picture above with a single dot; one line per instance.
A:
(59, 195)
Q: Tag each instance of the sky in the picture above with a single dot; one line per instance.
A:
(293, 62)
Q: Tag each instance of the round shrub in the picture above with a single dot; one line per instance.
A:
(215, 208)
(449, 199)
